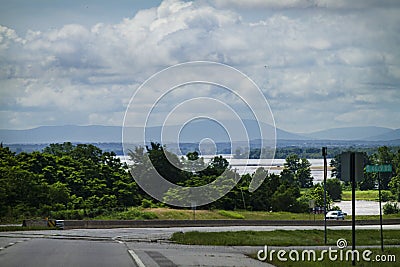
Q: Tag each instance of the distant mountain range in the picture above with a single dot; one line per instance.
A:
(194, 132)
(369, 133)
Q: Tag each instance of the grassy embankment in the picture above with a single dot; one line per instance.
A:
(372, 195)
(187, 214)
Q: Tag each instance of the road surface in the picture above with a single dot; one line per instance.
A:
(126, 247)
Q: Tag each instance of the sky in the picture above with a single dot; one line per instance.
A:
(320, 64)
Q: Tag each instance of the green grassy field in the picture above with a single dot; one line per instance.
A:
(188, 214)
(284, 238)
(175, 214)
(372, 195)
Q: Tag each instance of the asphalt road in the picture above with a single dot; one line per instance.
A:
(60, 252)
(125, 247)
(112, 247)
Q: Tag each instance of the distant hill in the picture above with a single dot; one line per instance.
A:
(193, 132)
(370, 133)
(391, 135)
(59, 134)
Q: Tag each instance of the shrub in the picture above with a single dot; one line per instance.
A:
(386, 196)
(147, 203)
(391, 208)
(67, 215)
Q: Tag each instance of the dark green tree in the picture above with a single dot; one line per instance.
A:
(166, 163)
(334, 188)
(300, 169)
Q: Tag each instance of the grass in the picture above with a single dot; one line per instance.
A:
(231, 214)
(137, 213)
(187, 214)
(176, 214)
(372, 195)
(132, 213)
(284, 237)
(328, 263)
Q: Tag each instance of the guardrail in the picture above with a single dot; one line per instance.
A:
(43, 223)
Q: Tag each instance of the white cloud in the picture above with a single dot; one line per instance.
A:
(335, 4)
(324, 58)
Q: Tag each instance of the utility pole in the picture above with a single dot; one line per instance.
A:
(324, 152)
(353, 203)
(380, 208)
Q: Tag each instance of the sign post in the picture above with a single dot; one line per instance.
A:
(311, 204)
(324, 152)
(353, 170)
(378, 169)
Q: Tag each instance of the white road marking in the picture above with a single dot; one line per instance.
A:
(136, 258)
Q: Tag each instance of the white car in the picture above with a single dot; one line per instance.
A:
(335, 215)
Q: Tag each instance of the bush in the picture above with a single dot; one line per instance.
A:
(147, 203)
(386, 196)
(334, 188)
(391, 208)
(67, 215)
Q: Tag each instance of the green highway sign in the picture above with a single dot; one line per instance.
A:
(378, 168)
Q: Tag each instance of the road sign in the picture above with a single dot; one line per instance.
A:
(378, 168)
(346, 166)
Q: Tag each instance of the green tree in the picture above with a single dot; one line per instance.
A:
(59, 193)
(261, 198)
(385, 156)
(336, 167)
(292, 163)
(166, 163)
(300, 169)
(193, 163)
(316, 193)
(285, 198)
(216, 167)
(394, 186)
(303, 174)
(334, 188)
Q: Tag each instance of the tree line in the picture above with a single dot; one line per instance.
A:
(81, 181)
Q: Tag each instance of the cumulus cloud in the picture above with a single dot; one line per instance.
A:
(327, 61)
(286, 4)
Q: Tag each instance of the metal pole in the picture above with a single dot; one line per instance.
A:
(324, 150)
(380, 208)
(353, 203)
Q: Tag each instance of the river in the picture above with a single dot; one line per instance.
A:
(243, 166)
